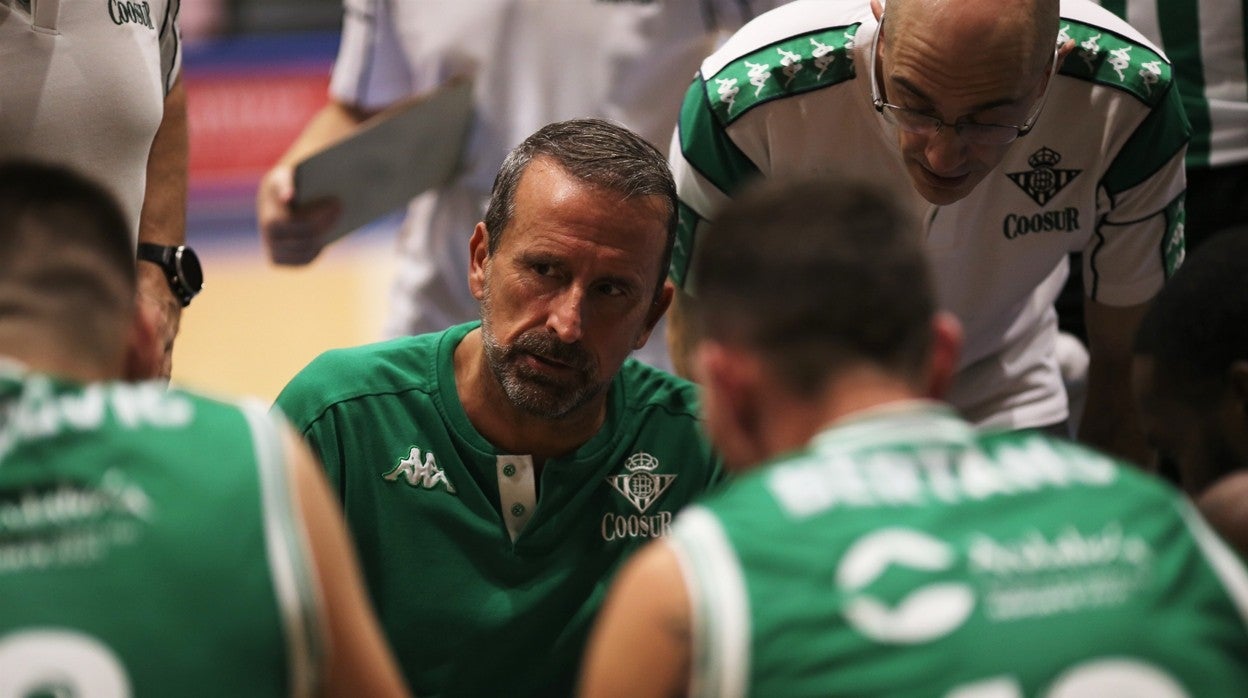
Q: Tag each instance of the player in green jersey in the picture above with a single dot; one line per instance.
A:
(880, 545)
(152, 542)
(495, 474)
(1191, 379)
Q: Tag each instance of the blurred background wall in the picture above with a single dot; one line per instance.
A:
(255, 73)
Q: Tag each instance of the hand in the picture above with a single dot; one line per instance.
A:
(292, 235)
(163, 313)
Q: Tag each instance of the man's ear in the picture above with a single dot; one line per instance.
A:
(144, 350)
(730, 379)
(943, 361)
(655, 312)
(478, 252)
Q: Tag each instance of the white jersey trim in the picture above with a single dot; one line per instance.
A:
(719, 606)
(1226, 566)
(288, 552)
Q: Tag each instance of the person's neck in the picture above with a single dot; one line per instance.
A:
(509, 429)
(789, 422)
(56, 358)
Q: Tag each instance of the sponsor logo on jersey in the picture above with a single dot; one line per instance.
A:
(1089, 48)
(792, 66)
(1033, 575)
(70, 523)
(759, 74)
(1150, 74)
(929, 612)
(825, 54)
(1111, 59)
(123, 12)
(641, 486)
(616, 526)
(727, 90)
(420, 473)
(1120, 60)
(1040, 575)
(1042, 182)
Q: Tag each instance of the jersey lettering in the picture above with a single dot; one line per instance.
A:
(934, 475)
(59, 662)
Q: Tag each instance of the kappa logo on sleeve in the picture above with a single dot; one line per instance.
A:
(425, 474)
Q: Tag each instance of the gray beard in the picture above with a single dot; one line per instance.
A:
(533, 393)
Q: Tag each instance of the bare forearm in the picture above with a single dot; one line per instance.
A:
(162, 221)
(1110, 421)
(332, 123)
(163, 217)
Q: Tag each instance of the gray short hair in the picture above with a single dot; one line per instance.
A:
(596, 152)
(816, 275)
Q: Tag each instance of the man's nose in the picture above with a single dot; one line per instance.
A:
(566, 315)
(945, 152)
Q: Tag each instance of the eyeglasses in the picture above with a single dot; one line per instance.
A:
(913, 121)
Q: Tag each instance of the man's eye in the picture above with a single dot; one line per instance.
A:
(542, 269)
(608, 289)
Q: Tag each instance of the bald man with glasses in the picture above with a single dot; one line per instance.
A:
(1018, 131)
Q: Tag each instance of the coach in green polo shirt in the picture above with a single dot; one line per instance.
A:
(495, 474)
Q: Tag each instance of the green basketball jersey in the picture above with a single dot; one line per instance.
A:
(904, 554)
(148, 546)
(482, 586)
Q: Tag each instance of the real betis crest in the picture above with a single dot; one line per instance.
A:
(641, 485)
(1044, 180)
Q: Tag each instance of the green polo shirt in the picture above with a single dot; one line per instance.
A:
(482, 587)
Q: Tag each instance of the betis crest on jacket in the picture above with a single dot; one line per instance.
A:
(641, 485)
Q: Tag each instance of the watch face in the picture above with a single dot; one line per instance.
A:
(189, 271)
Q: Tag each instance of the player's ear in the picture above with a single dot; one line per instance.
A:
(655, 312)
(731, 380)
(943, 361)
(143, 353)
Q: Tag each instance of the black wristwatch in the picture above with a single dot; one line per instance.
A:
(181, 265)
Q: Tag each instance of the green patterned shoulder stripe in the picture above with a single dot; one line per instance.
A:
(1107, 58)
(798, 64)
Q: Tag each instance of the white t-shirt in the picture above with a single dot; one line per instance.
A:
(1102, 173)
(84, 86)
(534, 62)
